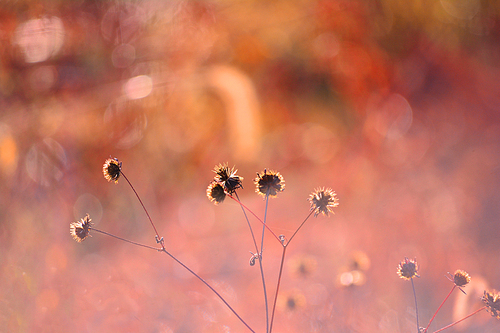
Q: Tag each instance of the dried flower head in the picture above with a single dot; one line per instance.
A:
(81, 229)
(492, 301)
(215, 192)
(461, 278)
(227, 178)
(323, 200)
(112, 169)
(407, 269)
(269, 183)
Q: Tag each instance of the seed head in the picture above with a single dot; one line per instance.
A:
(112, 169)
(81, 229)
(323, 201)
(227, 178)
(461, 278)
(215, 192)
(269, 183)
(407, 269)
(492, 301)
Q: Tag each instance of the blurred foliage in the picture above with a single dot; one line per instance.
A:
(393, 104)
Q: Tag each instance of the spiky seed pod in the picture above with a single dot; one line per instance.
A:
(492, 301)
(112, 169)
(81, 229)
(269, 182)
(461, 278)
(408, 269)
(215, 192)
(323, 200)
(227, 178)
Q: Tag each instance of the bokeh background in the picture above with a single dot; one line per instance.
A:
(393, 104)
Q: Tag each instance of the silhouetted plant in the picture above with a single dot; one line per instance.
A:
(225, 183)
(407, 269)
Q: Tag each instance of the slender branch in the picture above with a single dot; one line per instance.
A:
(209, 286)
(416, 306)
(264, 222)
(126, 240)
(251, 212)
(158, 238)
(300, 226)
(439, 308)
(452, 324)
(259, 254)
(183, 265)
(261, 258)
(278, 286)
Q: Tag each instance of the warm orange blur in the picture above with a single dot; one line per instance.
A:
(395, 105)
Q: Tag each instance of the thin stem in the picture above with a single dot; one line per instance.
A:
(126, 240)
(285, 245)
(251, 212)
(259, 254)
(210, 287)
(186, 267)
(452, 324)
(158, 238)
(427, 327)
(278, 286)
(300, 226)
(416, 306)
(261, 258)
(264, 222)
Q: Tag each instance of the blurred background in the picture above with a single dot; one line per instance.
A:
(393, 104)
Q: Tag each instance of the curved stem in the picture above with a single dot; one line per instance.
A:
(126, 240)
(259, 254)
(452, 324)
(250, 211)
(158, 238)
(300, 226)
(427, 327)
(277, 287)
(210, 287)
(416, 306)
(183, 265)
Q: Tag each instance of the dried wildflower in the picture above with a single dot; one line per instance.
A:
(269, 183)
(323, 201)
(215, 192)
(227, 178)
(461, 278)
(81, 229)
(407, 269)
(492, 301)
(112, 169)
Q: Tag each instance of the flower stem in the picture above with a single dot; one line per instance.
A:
(210, 287)
(126, 240)
(416, 306)
(452, 324)
(259, 254)
(158, 238)
(278, 287)
(300, 226)
(186, 267)
(439, 308)
(251, 212)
